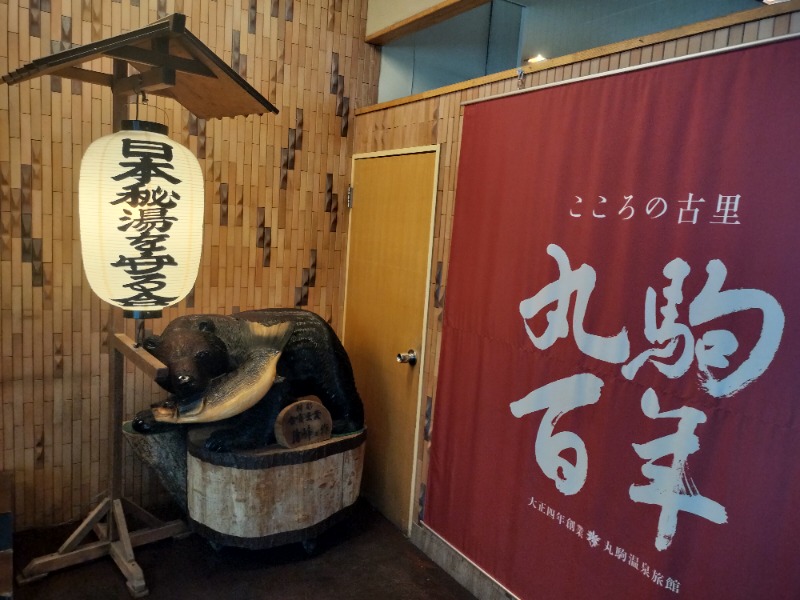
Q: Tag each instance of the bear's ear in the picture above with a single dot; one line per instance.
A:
(151, 342)
(207, 326)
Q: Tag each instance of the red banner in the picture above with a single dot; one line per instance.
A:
(617, 411)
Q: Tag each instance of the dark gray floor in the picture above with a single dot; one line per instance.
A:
(363, 558)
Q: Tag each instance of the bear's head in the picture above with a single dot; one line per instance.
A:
(192, 351)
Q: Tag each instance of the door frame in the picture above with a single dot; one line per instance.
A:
(422, 359)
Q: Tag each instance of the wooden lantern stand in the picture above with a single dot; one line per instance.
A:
(170, 62)
(107, 520)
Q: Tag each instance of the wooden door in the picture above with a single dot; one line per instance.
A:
(388, 274)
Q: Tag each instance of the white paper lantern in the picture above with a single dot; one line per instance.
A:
(141, 215)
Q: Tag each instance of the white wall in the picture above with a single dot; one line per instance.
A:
(382, 13)
(467, 46)
(445, 53)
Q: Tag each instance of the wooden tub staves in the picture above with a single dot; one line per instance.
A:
(274, 496)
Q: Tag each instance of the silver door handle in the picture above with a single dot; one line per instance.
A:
(409, 357)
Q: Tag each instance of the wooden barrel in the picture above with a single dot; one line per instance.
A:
(274, 496)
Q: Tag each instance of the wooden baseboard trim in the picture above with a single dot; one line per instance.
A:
(474, 579)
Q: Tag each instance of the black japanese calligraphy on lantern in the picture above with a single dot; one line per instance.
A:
(148, 174)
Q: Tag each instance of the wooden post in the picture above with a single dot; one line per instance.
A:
(114, 538)
(119, 110)
(116, 362)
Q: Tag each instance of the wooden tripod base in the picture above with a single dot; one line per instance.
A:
(114, 540)
(107, 520)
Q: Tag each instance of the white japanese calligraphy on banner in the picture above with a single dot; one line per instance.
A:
(669, 488)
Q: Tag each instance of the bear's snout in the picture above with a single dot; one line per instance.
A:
(187, 380)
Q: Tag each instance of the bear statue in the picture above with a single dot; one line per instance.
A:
(242, 370)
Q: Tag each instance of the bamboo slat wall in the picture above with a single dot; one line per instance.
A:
(275, 229)
(435, 118)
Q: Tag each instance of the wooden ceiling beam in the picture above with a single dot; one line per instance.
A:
(84, 75)
(159, 59)
(149, 81)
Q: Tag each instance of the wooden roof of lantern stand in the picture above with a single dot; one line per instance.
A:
(168, 61)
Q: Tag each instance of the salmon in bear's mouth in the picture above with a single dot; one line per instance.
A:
(232, 393)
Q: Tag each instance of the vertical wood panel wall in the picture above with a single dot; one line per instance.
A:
(435, 118)
(275, 226)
